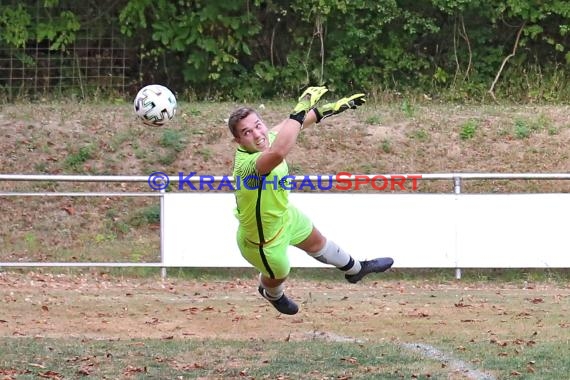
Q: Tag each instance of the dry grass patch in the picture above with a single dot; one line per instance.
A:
(221, 328)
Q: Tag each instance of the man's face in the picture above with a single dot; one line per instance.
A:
(252, 133)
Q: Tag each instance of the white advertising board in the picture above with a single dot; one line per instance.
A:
(417, 230)
(200, 228)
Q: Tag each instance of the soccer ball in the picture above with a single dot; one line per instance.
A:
(155, 105)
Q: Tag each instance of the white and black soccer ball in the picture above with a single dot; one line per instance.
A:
(155, 105)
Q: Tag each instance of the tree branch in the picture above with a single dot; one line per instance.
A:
(464, 35)
(457, 66)
(492, 89)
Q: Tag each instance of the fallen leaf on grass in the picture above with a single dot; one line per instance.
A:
(69, 210)
(50, 375)
(192, 310)
(351, 360)
(85, 370)
(153, 321)
(131, 370)
(12, 372)
(523, 314)
(78, 359)
(418, 313)
(188, 367)
(499, 343)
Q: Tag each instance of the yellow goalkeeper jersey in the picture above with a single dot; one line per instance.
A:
(261, 200)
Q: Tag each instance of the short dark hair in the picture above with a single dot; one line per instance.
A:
(237, 116)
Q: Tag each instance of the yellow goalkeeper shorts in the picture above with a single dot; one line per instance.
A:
(271, 258)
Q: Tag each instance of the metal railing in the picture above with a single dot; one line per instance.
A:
(456, 179)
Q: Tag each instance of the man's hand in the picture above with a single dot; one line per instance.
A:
(307, 100)
(341, 105)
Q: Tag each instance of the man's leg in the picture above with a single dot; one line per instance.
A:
(273, 264)
(273, 290)
(328, 252)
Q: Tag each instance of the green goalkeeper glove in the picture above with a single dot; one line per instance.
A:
(307, 100)
(331, 109)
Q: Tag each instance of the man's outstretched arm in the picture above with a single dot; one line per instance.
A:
(289, 129)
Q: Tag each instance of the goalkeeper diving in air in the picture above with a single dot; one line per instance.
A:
(268, 222)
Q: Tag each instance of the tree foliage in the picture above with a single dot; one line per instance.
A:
(248, 49)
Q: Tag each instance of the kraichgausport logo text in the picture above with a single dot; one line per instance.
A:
(343, 181)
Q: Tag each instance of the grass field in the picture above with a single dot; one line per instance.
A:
(107, 326)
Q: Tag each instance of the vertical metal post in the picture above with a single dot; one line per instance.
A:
(163, 269)
(457, 190)
(457, 185)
